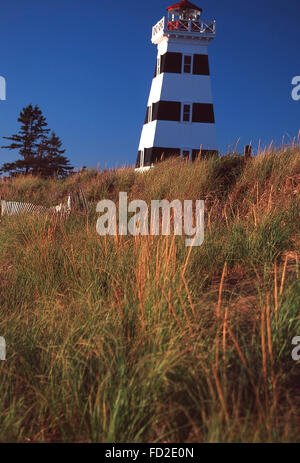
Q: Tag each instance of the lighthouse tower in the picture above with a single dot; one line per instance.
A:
(180, 116)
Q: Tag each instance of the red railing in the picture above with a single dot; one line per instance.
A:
(190, 26)
(207, 28)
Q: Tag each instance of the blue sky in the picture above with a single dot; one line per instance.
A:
(89, 65)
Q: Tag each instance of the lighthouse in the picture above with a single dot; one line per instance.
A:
(180, 117)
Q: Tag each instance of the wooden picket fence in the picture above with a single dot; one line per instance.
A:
(75, 202)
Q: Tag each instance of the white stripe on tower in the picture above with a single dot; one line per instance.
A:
(180, 116)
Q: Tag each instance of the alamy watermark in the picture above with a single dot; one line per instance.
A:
(296, 89)
(2, 88)
(2, 348)
(143, 223)
(296, 350)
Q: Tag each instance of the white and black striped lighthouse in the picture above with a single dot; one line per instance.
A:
(180, 116)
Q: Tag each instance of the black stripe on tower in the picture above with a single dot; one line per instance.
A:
(171, 111)
(154, 155)
(171, 62)
(166, 111)
(157, 154)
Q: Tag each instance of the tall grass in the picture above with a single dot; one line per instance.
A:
(140, 339)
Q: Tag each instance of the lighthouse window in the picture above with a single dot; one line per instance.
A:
(187, 64)
(150, 114)
(186, 154)
(142, 155)
(158, 66)
(186, 116)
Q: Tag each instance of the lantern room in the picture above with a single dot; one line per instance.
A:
(184, 11)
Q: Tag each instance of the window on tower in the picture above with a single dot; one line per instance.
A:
(186, 112)
(150, 113)
(142, 156)
(186, 154)
(187, 64)
(158, 65)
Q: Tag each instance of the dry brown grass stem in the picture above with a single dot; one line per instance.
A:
(221, 289)
(276, 293)
(283, 276)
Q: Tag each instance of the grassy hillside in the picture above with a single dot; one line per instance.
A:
(141, 339)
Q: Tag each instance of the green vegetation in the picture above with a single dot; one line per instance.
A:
(140, 339)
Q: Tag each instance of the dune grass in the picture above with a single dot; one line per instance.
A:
(140, 339)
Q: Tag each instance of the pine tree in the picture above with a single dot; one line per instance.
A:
(32, 133)
(40, 154)
(51, 161)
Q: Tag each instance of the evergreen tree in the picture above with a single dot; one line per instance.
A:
(50, 161)
(40, 154)
(32, 133)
